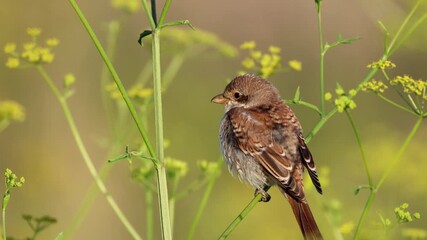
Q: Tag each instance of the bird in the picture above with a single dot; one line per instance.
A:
(262, 143)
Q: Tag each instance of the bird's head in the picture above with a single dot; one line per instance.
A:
(247, 91)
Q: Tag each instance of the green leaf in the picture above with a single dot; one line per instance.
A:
(297, 96)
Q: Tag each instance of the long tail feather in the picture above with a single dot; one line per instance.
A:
(305, 219)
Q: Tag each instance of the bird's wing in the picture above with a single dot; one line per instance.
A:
(254, 135)
(309, 162)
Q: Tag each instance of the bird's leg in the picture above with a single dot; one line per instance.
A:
(265, 196)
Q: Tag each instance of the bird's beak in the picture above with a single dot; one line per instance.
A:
(219, 99)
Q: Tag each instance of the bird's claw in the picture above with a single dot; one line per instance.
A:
(265, 196)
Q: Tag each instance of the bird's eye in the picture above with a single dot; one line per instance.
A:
(237, 95)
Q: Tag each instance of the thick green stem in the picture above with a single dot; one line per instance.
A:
(160, 167)
(83, 151)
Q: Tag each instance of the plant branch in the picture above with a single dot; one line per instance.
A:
(361, 148)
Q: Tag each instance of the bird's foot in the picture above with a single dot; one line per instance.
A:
(265, 196)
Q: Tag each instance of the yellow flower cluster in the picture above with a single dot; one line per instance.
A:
(139, 92)
(374, 86)
(32, 52)
(130, 6)
(343, 101)
(410, 85)
(11, 111)
(382, 64)
(175, 168)
(12, 180)
(209, 168)
(266, 64)
(403, 215)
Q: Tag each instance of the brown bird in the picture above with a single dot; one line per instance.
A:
(262, 143)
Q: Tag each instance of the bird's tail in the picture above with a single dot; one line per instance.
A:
(305, 219)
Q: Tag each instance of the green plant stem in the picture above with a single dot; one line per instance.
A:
(112, 36)
(115, 76)
(392, 46)
(396, 161)
(164, 12)
(147, 11)
(365, 211)
(390, 168)
(160, 167)
(322, 58)
(240, 217)
(3, 215)
(396, 104)
(202, 205)
(361, 148)
(149, 196)
(88, 161)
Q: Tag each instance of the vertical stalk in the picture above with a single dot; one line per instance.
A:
(149, 213)
(322, 58)
(160, 165)
(3, 215)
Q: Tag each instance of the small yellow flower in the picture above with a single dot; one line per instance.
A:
(11, 110)
(69, 80)
(256, 54)
(347, 228)
(274, 49)
(10, 48)
(328, 96)
(52, 42)
(47, 57)
(250, 45)
(12, 62)
(29, 46)
(114, 92)
(139, 92)
(295, 65)
(248, 63)
(34, 32)
(130, 6)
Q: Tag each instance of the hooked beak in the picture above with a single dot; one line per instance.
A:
(219, 99)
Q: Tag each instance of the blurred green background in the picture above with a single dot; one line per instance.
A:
(42, 148)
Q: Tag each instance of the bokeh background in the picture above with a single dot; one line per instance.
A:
(42, 148)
